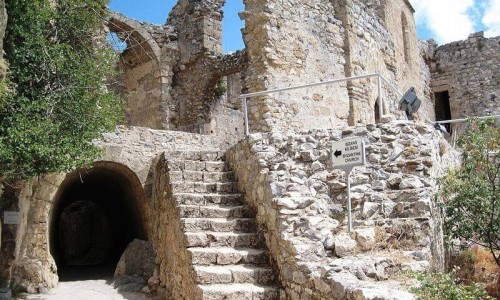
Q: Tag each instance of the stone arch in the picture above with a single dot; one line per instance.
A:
(95, 214)
(143, 75)
(133, 33)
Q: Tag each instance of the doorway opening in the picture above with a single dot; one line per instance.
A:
(442, 108)
(96, 215)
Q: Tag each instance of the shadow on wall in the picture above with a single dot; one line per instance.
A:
(96, 214)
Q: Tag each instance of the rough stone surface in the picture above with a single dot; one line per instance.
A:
(170, 77)
(201, 221)
(137, 259)
(468, 70)
(303, 207)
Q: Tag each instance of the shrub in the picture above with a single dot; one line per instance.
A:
(444, 286)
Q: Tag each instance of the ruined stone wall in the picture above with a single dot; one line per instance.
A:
(143, 94)
(370, 49)
(136, 147)
(176, 278)
(227, 123)
(469, 71)
(201, 63)
(292, 43)
(147, 65)
(381, 37)
(131, 151)
(410, 54)
(301, 200)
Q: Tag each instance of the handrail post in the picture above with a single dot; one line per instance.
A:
(380, 102)
(245, 112)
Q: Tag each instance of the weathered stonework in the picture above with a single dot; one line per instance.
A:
(129, 152)
(146, 64)
(468, 70)
(170, 76)
(300, 199)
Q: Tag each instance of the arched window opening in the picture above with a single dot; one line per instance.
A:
(377, 113)
(116, 42)
(406, 38)
(232, 38)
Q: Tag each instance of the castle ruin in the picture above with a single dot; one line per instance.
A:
(262, 216)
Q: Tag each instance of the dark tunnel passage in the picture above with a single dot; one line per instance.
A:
(96, 215)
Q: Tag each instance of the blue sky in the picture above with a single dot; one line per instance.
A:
(443, 20)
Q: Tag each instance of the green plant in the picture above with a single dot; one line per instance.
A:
(470, 193)
(220, 88)
(57, 101)
(443, 286)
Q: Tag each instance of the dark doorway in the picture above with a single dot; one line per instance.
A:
(377, 113)
(95, 217)
(442, 108)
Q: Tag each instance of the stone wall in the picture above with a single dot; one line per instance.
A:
(175, 274)
(129, 151)
(291, 43)
(306, 43)
(468, 70)
(136, 147)
(386, 33)
(301, 202)
(147, 71)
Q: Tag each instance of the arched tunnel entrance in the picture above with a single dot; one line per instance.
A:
(96, 214)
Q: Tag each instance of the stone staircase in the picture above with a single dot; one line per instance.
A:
(228, 254)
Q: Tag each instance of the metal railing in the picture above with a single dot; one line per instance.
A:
(380, 102)
(380, 78)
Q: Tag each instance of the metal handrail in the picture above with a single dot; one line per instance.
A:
(465, 119)
(380, 78)
(245, 97)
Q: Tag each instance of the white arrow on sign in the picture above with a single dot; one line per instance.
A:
(347, 154)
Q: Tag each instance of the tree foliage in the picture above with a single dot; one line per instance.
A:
(57, 101)
(471, 195)
(444, 286)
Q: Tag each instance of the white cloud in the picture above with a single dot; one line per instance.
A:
(491, 18)
(448, 20)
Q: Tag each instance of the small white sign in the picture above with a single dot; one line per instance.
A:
(347, 154)
(12, 217)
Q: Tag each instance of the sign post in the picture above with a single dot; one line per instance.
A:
(346, 155)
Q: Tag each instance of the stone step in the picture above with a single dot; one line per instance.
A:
(195, 155)
(219, 224)
(196, 165)
(227, 256)
(234, 274)
(203, 187)
(224, 239)
(215, 211)
(238, 291)
(201, 176)
(208, 199)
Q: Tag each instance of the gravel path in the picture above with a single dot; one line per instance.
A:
(86, 290)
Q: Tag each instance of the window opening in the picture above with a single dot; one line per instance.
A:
(442, 108)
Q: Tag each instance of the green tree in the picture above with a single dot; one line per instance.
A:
(471, 196)
(57, 101)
